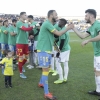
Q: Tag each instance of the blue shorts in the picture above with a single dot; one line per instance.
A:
(44, 59)
(12, 48)
(4, 46)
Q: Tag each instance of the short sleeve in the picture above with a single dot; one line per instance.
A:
(19, 24)
(3, 61)
(50, 27)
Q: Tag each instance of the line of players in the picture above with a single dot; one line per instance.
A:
(15, 39)
(9, 35)
(45, 42)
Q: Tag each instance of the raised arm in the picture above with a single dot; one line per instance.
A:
(59, 33)
(81, 35)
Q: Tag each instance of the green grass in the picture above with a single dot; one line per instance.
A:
(80, 80)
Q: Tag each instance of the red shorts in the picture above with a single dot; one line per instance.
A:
(22, 49)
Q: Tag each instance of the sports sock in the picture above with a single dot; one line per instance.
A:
(60, 71)
(98, 83)
(45, 82)
(35, 58)
(41, 81)
(56, 64)
(66, 70)
(20, 64)
(24, 61)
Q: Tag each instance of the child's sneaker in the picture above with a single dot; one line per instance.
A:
(10, 86)
(6, 86)
(50, 96)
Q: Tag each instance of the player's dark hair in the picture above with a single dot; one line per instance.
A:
(5, 22)
(14, 20)
(50, 12)
(91, 11)
(6, 53)
(64, 21)
(22, 13)
(30, 16)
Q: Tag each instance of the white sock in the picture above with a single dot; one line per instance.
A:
(98, 83)
(56, 64)
(66, 70)
(52, 63)
(95, 80)
(35, 58)
(60, 71)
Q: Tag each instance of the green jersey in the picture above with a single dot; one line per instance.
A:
(12, 38)
(35, 30)
(22, 36)
(0, 33)
(94, 31)
(4, 37)
(57, 38)
(66, 37)
(46, 37)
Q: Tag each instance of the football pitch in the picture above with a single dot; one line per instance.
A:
(80, 79)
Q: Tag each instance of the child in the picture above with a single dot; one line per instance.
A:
(7, 63)
(31, 42)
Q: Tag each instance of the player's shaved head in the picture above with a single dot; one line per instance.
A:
(91, 11)
(23, 16)
(52, 15)
(50, 12)
(22, 13)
